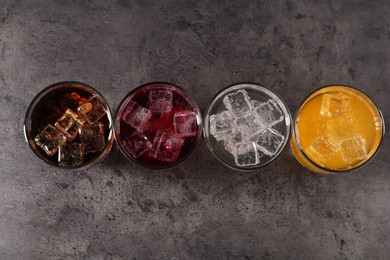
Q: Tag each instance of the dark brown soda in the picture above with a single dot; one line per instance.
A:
(51, 107)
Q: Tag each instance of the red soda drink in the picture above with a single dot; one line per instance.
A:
(158, 125)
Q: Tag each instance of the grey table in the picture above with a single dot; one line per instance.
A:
(201, 210)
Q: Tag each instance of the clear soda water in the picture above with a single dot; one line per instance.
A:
(247, 126)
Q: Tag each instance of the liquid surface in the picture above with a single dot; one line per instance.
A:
(339, 128)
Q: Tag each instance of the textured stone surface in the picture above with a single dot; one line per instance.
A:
(201, 210)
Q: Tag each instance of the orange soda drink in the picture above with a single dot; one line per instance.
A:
(337, 129)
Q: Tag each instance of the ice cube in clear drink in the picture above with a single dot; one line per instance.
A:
(92, 137)
(230, 140)
(137, 144)
(185, 123)
(250, 124)
(69, 124)
(92, 109)
(270, 112)
(255, 103)
(70, 155)
(136, 115)
(166, 146)
(49, 139)
(269, 141)
(334, 104)
(245, 154)
(160, 100)
(220, 124)
(238, 102)
(354, 149)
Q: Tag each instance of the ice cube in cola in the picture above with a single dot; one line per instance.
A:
(64, 121)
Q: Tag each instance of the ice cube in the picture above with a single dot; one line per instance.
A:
(321, 150)
(221, 124)
(269, 141)
(185, 123)
(166, 146)
(228, 145)
(255, 103)
(136, 115)
(334, 104)
(70, 154)
(270, 112)
(354, 149)
(249, 124)
(75, 96)
(160, 100)
(137, 144)
(158, 138)
(238, 103)
(245, 154)
(49, 139)
(229, 141)
(92, 137)
(93, 109)
(69, 124)
(171, 148)
(339, 128)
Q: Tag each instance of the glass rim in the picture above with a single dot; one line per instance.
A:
(109, 140)
(206, 127)
(307, 98)
(168, 166)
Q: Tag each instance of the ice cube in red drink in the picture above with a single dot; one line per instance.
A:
(185, 123)
(137, 143)
(136, 115)
(160, 100)
(166, 146)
